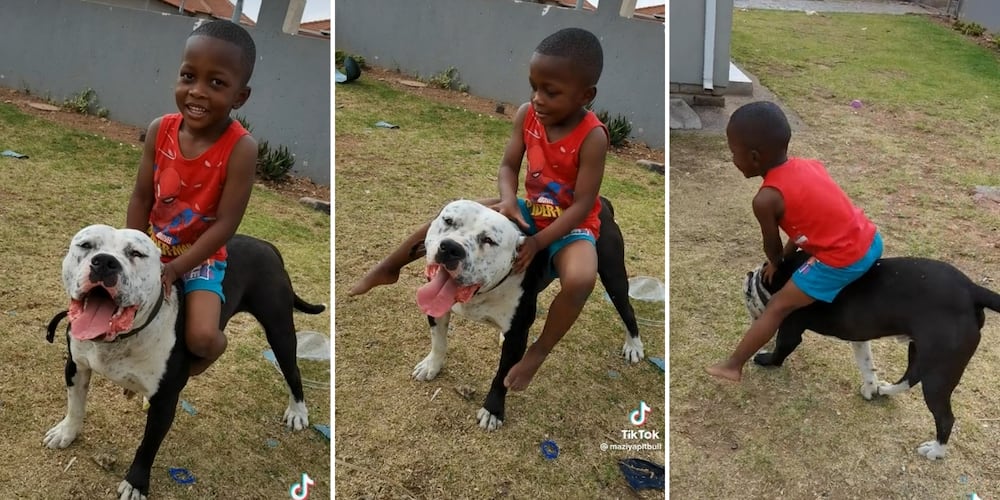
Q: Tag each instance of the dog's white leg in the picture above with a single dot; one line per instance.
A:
(933, 450)
(127, 492)
(887, 389)
(296, 415)
(863, 356)
(431, 365)
(633, 350)
(66, 431)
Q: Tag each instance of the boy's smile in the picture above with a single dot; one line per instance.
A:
(558, 92)
(210, 83)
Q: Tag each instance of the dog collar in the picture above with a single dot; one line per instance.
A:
(152, 315)
(498, 283)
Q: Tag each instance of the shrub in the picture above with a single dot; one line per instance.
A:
(619, 128)
(448, 80)
(82, 102)
(275, 164)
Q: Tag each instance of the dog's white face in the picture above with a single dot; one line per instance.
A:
(755, 294)
(112, 277)
(488, 243)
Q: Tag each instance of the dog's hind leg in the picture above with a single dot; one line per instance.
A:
(77, 384)
(280, 332)
(430, 366)
(614, 278)
(944, 372)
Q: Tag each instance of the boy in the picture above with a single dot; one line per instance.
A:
(195, 177)
(798, 196)
(565, 145)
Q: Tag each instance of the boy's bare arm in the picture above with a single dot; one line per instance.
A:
(768, 207)
(232, 205)
(142, 198)
(588, 185)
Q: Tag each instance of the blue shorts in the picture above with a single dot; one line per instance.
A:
(206, 277)
(823, 282)
(556, 246)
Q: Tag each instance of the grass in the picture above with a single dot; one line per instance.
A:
(73, 179)
(397, 437)
(925, 136)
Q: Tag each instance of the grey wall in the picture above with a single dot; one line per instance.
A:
(984, 12)
(490, 42)
(687, 41)
(130, 59)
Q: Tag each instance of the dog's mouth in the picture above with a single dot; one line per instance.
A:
(97, 314)
(442, 291)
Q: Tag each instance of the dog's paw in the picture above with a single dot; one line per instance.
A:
(488, 420)
(887, 389)
(128, 492)
(296, 415)
(62, 434)
(869, 390)
(633, 351)
(428, 368)
(933, 450)
(764, 359)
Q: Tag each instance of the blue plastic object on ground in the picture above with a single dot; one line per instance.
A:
(549, 449)
(188, 407)
(658, 362)
(181, 475)
(323, 429)
(13, 154)
(642, 474)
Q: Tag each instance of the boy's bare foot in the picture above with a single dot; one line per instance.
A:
(520, 375)
(724, 371)
(381, 274)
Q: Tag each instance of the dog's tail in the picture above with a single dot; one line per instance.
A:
(308, 308)
(984, 297)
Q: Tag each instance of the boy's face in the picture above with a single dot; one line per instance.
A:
(557, 89)
(210, 82)
(747, 160)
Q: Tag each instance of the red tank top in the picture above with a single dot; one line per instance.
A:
(187, 191)
(819, 217)
(552, 169)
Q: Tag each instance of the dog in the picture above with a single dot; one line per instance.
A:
(470, 252)
(125, 327)
(927, 303)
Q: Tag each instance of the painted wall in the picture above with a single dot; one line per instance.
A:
(490, 42)
(130, 59)
(687, 41)
(984, 12)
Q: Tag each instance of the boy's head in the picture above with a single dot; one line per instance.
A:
(216, 67)
(564, 71)
(758, 135)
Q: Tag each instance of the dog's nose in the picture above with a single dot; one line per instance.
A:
(105, 268)
(450, 253)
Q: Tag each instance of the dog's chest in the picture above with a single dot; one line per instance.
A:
(136, 363)
(496, 307)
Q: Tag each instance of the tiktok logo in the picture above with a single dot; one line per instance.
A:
(638, 416)
(300, 490)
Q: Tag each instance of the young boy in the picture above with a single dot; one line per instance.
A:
(565, 145)
(195, 177)
(798, 196)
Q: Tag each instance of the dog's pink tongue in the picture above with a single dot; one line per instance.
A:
(93, 321)
(438, 295)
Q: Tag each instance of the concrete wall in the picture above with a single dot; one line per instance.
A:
(490, 42)
(984, 12)
(130, 59)
(687, 42)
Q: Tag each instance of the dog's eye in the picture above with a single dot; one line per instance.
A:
(448, 221)
(86, 245)
(489, 241)
(135, 254)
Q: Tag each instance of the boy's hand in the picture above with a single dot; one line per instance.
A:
(769, 270)
(525, 253)
(167, 278)
(512, 211)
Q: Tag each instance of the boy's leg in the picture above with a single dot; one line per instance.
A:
(576, 264)
(788, 299)
(202, 334)
(387, 270)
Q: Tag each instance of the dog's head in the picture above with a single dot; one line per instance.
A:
(112, 277)
(757, 293)
(469, 247)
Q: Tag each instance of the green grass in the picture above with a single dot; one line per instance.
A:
(73, 179)
(393, 437)
(925, 136)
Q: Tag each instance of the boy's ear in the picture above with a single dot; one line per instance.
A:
(241, 98)
(755, 156)
(589, 95)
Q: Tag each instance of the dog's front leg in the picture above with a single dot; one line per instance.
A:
(159, 418)
(863, 356)
(789, 337)
(431, 365)
(77, 384)
(515, 341)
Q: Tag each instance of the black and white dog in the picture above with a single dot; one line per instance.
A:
(929, 303)
(470, 252)
(124, 327)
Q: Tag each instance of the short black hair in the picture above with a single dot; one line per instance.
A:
(578, 45)
(234, 34)
(762, 125)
